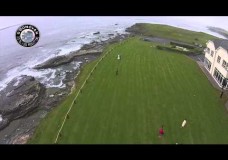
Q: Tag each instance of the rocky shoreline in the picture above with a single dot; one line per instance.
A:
(25, 101)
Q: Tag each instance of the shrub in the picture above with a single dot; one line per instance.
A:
(171, 49)
(182, 45)
(159, 47)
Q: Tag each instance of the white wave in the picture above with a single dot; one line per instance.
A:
(76, 65)
(41, 75)
(60, 85)
(0, 117)
(47, 76)
(68, 49)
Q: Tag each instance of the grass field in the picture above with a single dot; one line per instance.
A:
(153, 88)
(170, 32)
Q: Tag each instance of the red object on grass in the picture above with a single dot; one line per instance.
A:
(161, 131)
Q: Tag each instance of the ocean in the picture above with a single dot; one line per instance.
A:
(62, 35)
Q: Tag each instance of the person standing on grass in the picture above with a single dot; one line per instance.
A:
(118, 57)
(161, 132)
(183, 123)
(117, 71)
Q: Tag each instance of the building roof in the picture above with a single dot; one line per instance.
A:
(221, 43)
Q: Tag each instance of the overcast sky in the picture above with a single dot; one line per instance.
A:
(218, 21)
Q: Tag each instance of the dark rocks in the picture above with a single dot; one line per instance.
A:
(22, 95)
(93, 48)
(92, 45)
(61, 60)
(54, 62)
(96, 33)
(4, 123)
(117, 38)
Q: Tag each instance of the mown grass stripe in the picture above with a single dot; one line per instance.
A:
(80, 91)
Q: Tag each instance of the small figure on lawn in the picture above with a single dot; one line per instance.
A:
(117, 72)
(183, 123)
(161, 132)
(118, 57)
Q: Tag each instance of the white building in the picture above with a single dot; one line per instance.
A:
(215, 61)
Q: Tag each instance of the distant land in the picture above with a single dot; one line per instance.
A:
(218, 30)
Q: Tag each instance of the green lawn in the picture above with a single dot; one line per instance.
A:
(153, 88)
(171, 32)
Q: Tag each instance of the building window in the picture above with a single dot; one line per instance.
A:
(208, 49)
(224, 64)
(207, 63)
(218, 59)
(212, 53)
(220, 78)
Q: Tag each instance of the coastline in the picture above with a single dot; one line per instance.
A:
(19, 130)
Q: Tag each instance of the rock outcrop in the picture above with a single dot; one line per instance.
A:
(61, 60)
(54, 62)
(92, 48)
(21, 96)
(96, 33)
